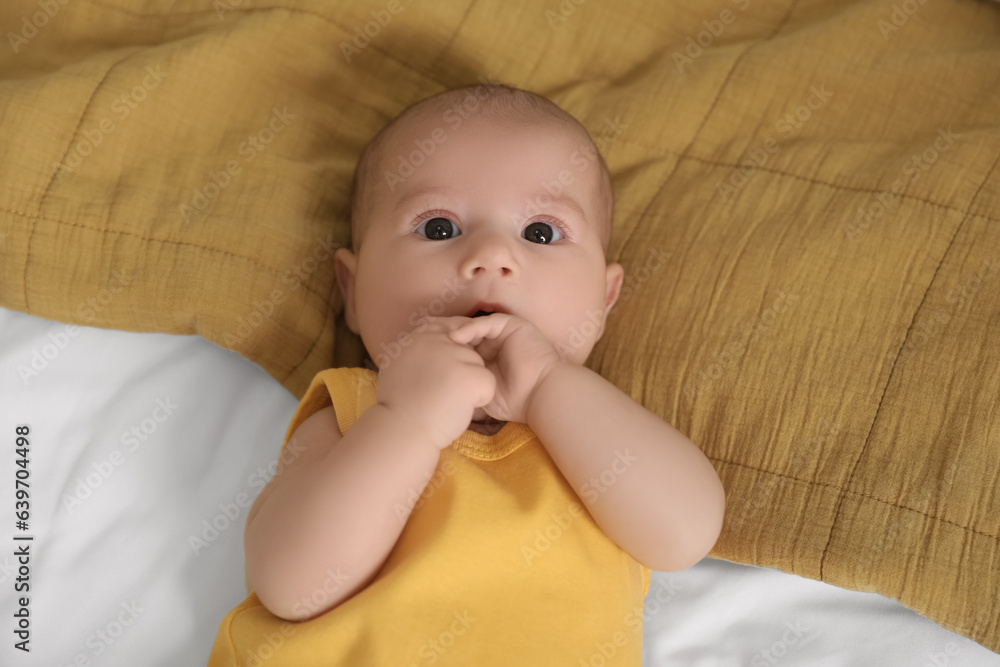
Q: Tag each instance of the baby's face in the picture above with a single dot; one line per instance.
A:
(475, 223)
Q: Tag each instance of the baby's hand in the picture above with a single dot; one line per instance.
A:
(516, 352)
(436, 384)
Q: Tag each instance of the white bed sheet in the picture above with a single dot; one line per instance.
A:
(157, 436)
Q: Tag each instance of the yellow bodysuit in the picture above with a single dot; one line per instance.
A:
(499, 564)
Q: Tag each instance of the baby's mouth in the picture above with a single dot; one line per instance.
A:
(484, 308)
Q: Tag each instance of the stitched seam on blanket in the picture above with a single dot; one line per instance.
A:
(224, 253)
(52, 178)
(454, 34)
(838, 186)
(856, 493)
(888, 381)
(292, 10)
(704, 120)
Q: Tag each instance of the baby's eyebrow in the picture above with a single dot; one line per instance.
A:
(417, 194)
(538, 197)
(563, 200)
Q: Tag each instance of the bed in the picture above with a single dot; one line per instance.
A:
(806, 211)
(138, 555)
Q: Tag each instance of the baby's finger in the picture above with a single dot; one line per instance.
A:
(480, 328)
(442, 324)
(464, 333)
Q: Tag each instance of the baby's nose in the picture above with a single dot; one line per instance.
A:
(490, 254)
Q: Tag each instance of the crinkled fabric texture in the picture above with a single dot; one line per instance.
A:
(807, 199)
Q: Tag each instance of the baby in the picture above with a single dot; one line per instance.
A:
(483, 498)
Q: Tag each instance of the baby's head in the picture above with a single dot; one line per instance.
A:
(480, 194)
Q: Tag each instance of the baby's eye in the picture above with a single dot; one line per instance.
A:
(439, 229)
(541, 232)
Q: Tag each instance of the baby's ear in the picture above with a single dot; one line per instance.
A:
(616, 275)
(345, 264)
(615, 278)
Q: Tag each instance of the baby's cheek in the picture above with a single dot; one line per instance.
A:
(575, 338)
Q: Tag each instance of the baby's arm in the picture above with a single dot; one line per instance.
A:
(328, 519)
(647, 486)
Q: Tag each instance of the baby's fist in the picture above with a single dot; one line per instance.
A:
(436, 384)
(517, 353)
